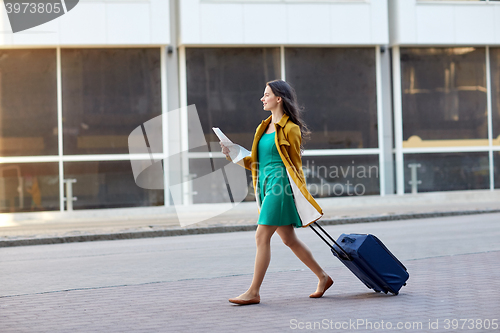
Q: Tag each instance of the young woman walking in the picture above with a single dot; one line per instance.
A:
(280, 187)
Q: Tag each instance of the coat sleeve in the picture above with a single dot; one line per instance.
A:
(295, 139)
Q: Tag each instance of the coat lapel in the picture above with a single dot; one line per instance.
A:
(260, 131)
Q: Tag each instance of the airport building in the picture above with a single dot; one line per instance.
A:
(401, 96)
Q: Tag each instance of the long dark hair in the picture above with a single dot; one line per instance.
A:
(291, 107)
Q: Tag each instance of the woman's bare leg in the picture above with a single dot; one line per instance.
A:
(290, 239)
(262, 258)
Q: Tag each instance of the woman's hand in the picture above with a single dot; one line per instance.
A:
(225, 150)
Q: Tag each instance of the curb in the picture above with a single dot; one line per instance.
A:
(221, 229)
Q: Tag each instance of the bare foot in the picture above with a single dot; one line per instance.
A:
(247, 295)
(324, 283)
(246, 298)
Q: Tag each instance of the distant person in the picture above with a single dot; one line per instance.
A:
(276, 166)
(36, 194)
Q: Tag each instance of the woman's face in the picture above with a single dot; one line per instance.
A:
(270, 100)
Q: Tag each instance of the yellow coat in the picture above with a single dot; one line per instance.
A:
(287, 139)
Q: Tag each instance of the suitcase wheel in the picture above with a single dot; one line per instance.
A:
(378, 291)
(404, 284)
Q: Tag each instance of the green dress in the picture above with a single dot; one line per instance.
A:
(274, 190)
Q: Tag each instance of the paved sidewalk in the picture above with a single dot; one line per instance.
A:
(453, 294)
(181, 284)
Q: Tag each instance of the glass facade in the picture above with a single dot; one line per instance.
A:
(28, 102)
(444, 97)
(26, 187)
(445, 105)
(107, 93)
(337, 87)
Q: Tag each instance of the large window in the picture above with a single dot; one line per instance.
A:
(26, 187)
(28, 102)
(444, 97)
(226, 85)
(337, 87)
(445, 110)
(448, 171)
(106, 94)
(108, 184)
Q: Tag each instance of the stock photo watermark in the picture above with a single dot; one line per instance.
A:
(338, 180)
(398, 326)
(26, 14)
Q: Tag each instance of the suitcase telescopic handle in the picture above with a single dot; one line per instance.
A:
(347, 256)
